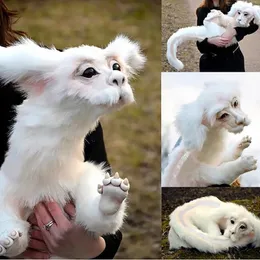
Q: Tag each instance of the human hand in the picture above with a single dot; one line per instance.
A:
(229, 34)
(218, 41)
(64, 238)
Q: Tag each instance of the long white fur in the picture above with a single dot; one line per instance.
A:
(207, 161)
(215, 24)
(198, 224)
(45, 157)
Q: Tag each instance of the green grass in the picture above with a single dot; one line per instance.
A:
(132, 136)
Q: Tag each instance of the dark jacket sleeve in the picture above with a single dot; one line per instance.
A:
(242, 32)
(94, 148)
(204, 46)
(112, 245)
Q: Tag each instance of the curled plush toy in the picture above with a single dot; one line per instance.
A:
(200, 223)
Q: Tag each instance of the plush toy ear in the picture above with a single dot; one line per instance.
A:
(28, 65)
(235, 7)
(127, 51)
(189, 122)
(257, 14)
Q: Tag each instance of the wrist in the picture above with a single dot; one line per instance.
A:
(234, 32)
(98, 246)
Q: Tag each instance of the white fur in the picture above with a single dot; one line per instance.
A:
(45, 158)
(198, 224)
(202, 159)
(215, 24)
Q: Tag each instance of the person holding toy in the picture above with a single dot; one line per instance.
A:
(215, 56)
(53, 232)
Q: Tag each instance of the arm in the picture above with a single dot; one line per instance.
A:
(204, 46)
(242, 32)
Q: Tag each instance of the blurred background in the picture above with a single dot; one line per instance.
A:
(132, 136)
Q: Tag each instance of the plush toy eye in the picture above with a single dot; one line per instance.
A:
(116, 66)
(236, 103)
(225, 115)
(239, 12)
(89, 73)
(245, 14)
(232, 221)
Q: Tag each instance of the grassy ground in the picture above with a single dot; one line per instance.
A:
(174, 197)
(132, 135)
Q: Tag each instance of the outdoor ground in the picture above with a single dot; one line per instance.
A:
(132, 136)
(177, 14)
(174, 197)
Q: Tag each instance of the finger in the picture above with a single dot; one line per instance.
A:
(32, 219)
(36, 234)
(57, 213)
(70, 209)
(43, 217)
(225, 40)
(37, 245)
(222, 43)
(33, 254)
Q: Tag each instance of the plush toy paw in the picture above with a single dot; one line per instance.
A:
(248, 163)
(245, 142)
(13, 243)
(113, 192)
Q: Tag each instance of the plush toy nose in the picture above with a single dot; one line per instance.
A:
(117, 78)
(240, 120)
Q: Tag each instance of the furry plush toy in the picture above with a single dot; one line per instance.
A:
(202, 159)
(67, 94)
(215, 24)
(199, 224)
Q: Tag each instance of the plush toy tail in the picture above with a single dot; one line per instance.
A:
(190, 235)
(173, 168)
(181, 36)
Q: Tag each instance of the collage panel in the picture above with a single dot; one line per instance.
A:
(210, 223)
(210, 36)
(210, 147)
(79, 131)
(210, 129)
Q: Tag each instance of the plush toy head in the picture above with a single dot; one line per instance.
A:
(244, 13)
(239, 225)
(218, 107)
(82, 75)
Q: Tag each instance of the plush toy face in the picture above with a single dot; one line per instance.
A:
(244, 13)
(98, 78)
(239, 228)
(244, 16)
(231, 117)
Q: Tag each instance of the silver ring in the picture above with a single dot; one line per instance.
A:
(49, 225)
